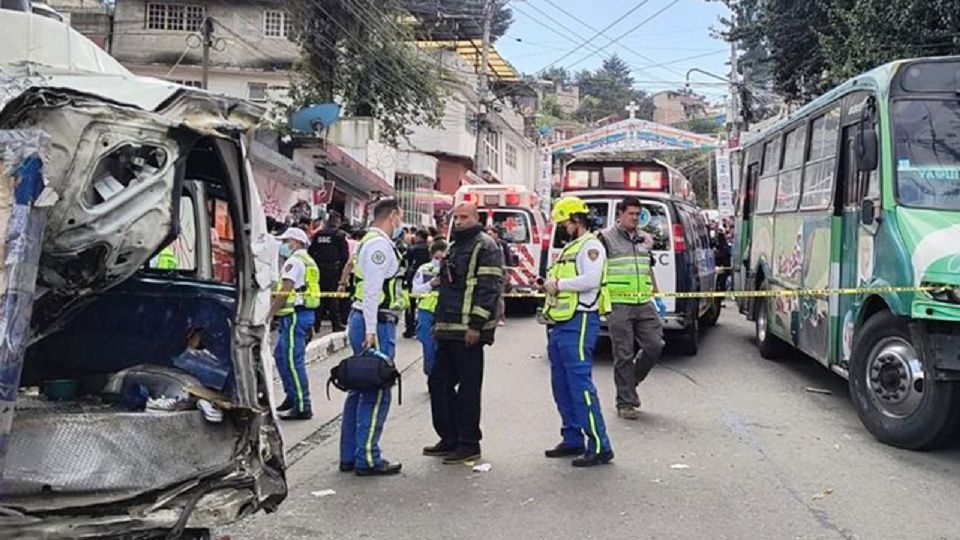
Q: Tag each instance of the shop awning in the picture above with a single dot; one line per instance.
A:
(339, 166)
(471, 50)
(289, 173)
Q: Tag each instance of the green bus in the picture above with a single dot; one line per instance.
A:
(860, 189)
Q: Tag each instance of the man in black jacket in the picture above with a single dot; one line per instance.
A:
(331, 252)
(416, 256)
(470, 278)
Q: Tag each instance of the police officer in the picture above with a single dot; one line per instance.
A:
(296, 300)
(576, 297)
(377, 305)
(465, 321)
(425, 284)
(635, 318)
(330, 251)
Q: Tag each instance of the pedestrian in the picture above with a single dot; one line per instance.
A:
(465, 321)
(508, 260)
(635, 319)
(576, 297)
(722, 259)
(330, 251)
(297, 298)
(425, 284)
(377, 304)
(416, 256)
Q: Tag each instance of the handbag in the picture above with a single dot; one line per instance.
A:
(369, 370)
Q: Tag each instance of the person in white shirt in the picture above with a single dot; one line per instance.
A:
(378, 302)
(425, 283)
(295, 303)
(576, 297)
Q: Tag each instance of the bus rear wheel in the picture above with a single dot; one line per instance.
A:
(771, 347)
(894, 390)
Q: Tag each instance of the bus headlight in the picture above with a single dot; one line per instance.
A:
(944, 293)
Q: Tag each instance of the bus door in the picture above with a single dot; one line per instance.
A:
(820, 236)
(740, 256)
(856, 255)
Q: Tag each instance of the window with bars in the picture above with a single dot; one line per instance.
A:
(175, 17)
(257, 91)
(277, 24)
(492, 151)
(510, 155)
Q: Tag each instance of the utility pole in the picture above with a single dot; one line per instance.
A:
(207, 31)
(482, 93)
(735, 106)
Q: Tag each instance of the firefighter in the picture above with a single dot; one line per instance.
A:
(635, 317)
(297, 298)
(470, 278)
(576, 297)
(425, 284)
(330, 251)
(377, 305)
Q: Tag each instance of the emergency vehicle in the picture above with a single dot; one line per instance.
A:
(516, 212)
(674, 228)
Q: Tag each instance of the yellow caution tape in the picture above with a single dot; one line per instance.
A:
(725, 294)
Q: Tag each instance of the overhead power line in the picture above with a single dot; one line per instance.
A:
(628, 32)
(597, 33)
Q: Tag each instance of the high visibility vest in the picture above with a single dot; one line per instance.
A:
(308, 296)
(630, 275)
(565, 304)
(392, 297)
(167, 259)
(428, 301)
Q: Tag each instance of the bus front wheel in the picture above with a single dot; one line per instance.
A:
(895, 391)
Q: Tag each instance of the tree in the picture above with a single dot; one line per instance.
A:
(355, 52)
(611, 89)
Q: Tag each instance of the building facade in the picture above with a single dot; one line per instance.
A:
(671, 107)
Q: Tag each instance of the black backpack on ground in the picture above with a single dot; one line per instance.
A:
(369, 370)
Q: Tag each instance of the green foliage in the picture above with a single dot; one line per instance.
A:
(705, 126)
(607, 92)
(355, 52)
(804, 48)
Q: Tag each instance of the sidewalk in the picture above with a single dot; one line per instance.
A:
(322, 354)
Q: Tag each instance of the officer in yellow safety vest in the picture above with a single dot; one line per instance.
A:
(378, 301)
(425, 284)
(165, 260)
(576, 297)
(295, 303)
(635, 318)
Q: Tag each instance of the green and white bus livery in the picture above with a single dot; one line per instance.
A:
(861, 189)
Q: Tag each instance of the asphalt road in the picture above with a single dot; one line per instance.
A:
(729, 446)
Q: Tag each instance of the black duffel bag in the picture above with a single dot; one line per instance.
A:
(369, 370)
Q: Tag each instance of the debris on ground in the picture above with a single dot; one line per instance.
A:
(526, 502)
(813, 390)
(483, 467)
(823, 494)
(679, 466)
(536, 356)
(323, 493)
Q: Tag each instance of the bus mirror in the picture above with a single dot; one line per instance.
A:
(867, 148)
(867, 212)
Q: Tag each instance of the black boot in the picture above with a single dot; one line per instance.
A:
(440, 449)
(385, 468)
(593, 458)
(462, 455)
(285, 406)
(561, 450)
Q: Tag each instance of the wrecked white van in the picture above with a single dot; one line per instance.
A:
(134, 290)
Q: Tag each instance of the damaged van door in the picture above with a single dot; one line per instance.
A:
(141, 408)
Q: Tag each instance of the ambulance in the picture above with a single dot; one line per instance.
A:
(515, 211)
(673, 227)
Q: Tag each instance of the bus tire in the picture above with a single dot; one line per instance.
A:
(895, 391)
(688, 342)
(771, 347)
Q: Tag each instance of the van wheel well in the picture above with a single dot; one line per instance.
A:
(871, 307)
(758, 280)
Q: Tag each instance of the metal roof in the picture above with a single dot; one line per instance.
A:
(471, 50)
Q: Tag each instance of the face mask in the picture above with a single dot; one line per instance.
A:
(285, 251)
(397, 231)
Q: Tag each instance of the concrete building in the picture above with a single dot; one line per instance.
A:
(671, 107)
(251, 56)
(568, 97)
(92, 18)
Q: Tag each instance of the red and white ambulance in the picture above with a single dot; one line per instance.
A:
(515, 211)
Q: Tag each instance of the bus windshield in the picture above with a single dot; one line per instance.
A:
(927, 153)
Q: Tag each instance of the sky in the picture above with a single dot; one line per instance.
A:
(678, 36)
